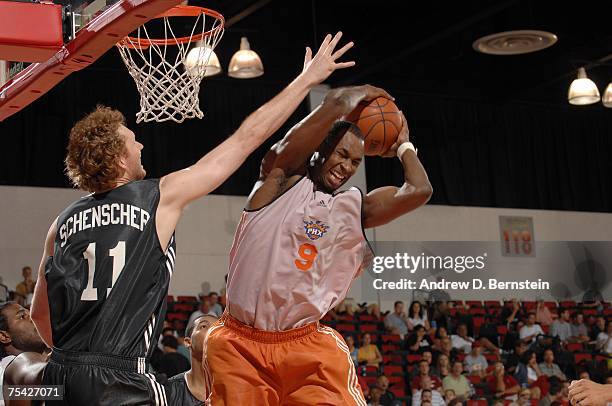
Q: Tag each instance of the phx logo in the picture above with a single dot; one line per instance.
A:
(315, 229)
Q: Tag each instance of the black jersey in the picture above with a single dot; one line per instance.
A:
(108, 278)
(178, 393)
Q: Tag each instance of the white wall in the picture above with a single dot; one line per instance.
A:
(204, 235)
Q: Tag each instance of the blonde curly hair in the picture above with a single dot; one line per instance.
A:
(94, 150)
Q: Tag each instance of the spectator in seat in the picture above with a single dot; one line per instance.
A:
(441, 315)
(598, 327)
(580, 332)
(441, 333)
(449, 395)
(524, 398)
(204, 310)
(387, 398)
(528, 371)
(454, 402)
(555, 393)
(419, 341)
(368, 352)
(442, 367)
(463, 342)
(549, 368)
(215, 307)
(172, 363)
(4, 291)
(475, 362)
(604, 341)
(375, 394)
(457, 382)
(543, 314)
(502, 385)
(350, 342)
(584, 375)
(397, 322)
(513, 359)
(25, 288)
(426, 394)
(417, 316)
(561, 327)
(512, 313)
(424, 372)
(531, 330)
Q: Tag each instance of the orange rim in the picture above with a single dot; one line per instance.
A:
(177, 11)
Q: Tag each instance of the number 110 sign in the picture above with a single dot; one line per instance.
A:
(517, 239)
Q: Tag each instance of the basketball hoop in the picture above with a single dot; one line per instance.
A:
(166, 73)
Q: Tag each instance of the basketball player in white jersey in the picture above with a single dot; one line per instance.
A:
(297, 248)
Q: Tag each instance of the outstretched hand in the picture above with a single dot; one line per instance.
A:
(323, 64)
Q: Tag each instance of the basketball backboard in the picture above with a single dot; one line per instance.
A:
(89, 29)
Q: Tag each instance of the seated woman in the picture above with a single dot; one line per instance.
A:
(369, 353)
(417, 315)
(419, 341)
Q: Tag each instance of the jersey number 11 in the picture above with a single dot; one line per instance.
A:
(118, 254)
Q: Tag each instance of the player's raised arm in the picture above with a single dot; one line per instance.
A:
(387, 203)
(182, 187)
(39, 311)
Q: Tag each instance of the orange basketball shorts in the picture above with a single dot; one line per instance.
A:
(310, 365)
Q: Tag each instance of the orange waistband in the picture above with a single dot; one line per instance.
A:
(267, 336)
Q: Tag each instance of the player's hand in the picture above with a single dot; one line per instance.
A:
(319, 67)
(350, 97)
(588, 393)
(404, 136)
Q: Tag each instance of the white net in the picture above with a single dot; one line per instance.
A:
(168, 72)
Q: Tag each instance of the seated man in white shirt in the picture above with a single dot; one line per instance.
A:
(426, 393)
(531, 330)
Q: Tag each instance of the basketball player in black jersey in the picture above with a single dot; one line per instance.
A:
(188, 388)
(108, 258)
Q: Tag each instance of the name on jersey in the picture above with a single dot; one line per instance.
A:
(315, 229)
(104, 215)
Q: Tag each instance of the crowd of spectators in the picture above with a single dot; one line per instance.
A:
(443, 353)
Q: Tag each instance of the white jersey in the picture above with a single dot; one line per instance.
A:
(295, 259)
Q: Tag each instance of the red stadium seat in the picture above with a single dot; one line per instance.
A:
(545, 328)
(412, 358)
(392, 359)
(477, 311)
(367, 328)
(367, 317)
(551, 305)
(186, 299)
(575, 347)
(398, 391)
(169, 298)
(474, 379)
(396, 380)
(477, 402)
(608, 312)
(460, 357)
(370, 370)
(568, 303)
(492, 304)
(391, 338)
(175, 316)
(369, 380)
(491, 357)
(474, 303)
(393, 370)
(346, 327)
(578, 358)
(387, 348)
(589, 312)
(529, 305)
(502, 330)
(478, 321)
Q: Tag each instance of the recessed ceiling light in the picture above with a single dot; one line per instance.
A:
(514, 42)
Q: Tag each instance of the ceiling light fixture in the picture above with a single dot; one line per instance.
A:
(202, 57)
(245, 64)
(583, 90)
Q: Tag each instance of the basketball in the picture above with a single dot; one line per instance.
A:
(380, 122)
